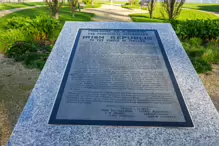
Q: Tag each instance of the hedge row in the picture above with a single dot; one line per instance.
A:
(205, 29)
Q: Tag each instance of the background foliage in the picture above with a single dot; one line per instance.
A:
(30, 40)
(205, 29)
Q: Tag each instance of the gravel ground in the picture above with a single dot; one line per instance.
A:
(16, 83)
(211, 83)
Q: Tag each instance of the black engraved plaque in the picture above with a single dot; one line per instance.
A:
(119, 77)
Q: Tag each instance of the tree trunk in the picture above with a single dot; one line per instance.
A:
(56, 15)
(171, 9)
(151, 14)
(73, 11)
(56, 2)
(79, 7)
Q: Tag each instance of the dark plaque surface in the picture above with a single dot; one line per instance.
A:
(119, 77)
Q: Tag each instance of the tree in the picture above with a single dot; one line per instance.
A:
(172, 7)
(151, 7)
(131, 2)
(55, 5)
(73, 5)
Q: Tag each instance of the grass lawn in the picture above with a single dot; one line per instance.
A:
(97, 5)
(8, 6)
(204, 7)
(185, 15)
(132, 7)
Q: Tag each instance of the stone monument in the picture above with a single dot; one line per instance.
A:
(118, 84)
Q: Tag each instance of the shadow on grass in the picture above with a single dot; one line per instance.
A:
(211, 8)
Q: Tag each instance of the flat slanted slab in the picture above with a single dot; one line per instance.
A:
(67, 65)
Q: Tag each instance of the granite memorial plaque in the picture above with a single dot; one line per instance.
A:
(119, 77)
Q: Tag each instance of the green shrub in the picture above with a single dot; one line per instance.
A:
(19, 50)
(18, 22)
(195, 52)
(208, 56)
(33, 55)
(41, 28)
(193, 47)
(45, 27)
(211, 53)
(204, 29)
(200, 65)
(87, 2)
(202, 55)
(12, 36)
(196, 42)
(136, 2)
(25, 39)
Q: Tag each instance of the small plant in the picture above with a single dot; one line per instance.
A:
(12, 36)
(18, 22)
(196, 42)
(211, 53)
(136, 2)
(44, 27)
(202, 55)
(200, 65)
(19, 50)
(41, 28)
(87, 2)
(33, 55)
(29, 40)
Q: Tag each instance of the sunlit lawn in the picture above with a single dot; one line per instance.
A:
(7, 6)
(185, 15)
(195, 6)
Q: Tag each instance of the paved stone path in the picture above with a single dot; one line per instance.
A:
(108, 13)
(6, 12)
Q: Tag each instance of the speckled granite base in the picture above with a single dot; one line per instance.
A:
(32, 127)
